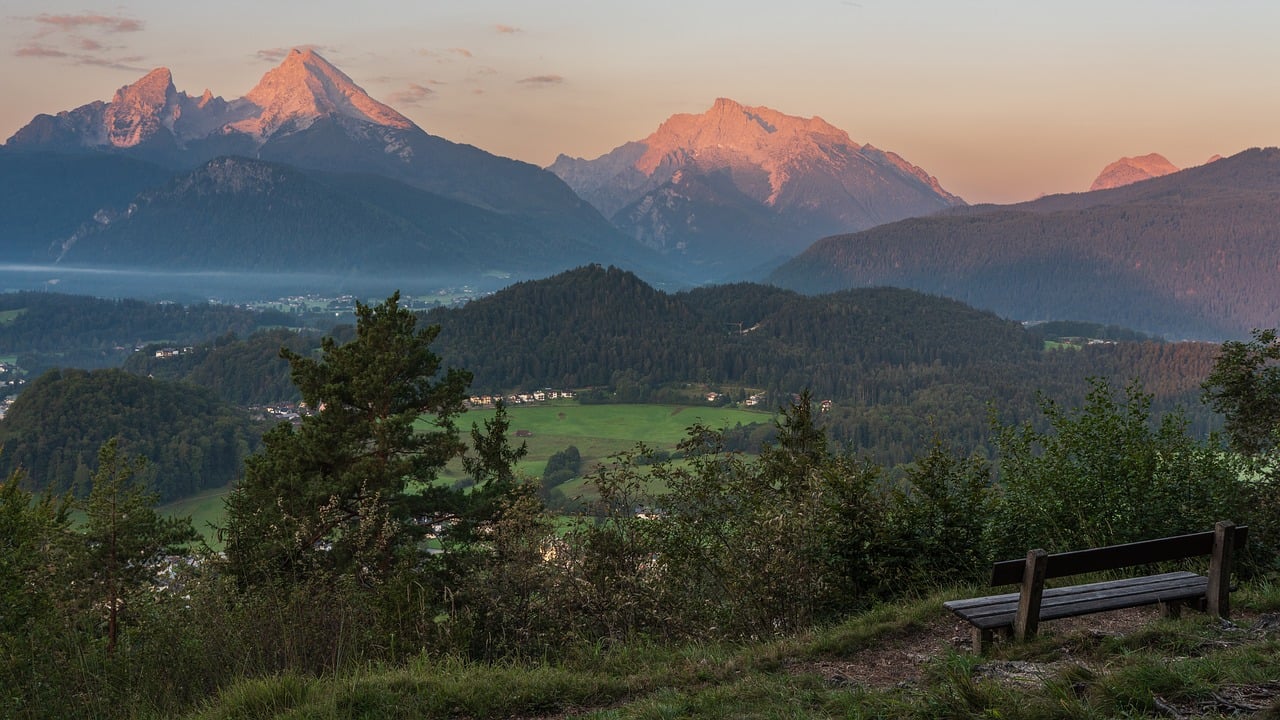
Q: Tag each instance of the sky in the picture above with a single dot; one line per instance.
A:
(1001, 100)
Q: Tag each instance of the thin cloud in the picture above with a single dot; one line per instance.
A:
(78, 39)
(276, 54)
(39, 51)
(507, 29)
(72, 23)
(415, 94)
(130, 63)
(541, 80)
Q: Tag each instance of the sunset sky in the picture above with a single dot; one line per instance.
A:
(1002, 100)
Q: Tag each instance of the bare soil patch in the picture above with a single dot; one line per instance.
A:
(901, 660)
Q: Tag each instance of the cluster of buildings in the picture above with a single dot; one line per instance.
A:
(485, 401)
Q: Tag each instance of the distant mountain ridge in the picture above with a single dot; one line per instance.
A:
(1192, 254)
(306, 117)
(738, 186)
(289, 98)
(1129, 170)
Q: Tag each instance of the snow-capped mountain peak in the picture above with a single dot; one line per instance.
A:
(304, 88)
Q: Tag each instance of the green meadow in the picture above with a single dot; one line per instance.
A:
(598, 431)
(206, 511)
(8, 316)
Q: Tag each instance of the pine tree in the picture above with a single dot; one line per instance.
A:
(350, 491)
(124, 535)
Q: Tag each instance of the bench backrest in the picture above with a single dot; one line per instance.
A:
(1116, 556)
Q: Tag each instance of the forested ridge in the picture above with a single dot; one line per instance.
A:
(191, 440)
(582, 327)
(900, 366)
(1192, 254)
(246, 371)
(53, 330)
(45, 196)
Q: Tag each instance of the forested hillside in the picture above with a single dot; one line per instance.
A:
(1191, 254)
(191, 440)
(583, 327)
(245, 371)
(52, 330)
(899, 366)
(45, 197)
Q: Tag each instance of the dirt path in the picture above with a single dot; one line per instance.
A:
(901, 660)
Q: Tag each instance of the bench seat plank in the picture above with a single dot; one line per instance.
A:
(998, 611)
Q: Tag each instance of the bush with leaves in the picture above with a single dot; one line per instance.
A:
(562, 467)
(937, 523)
(732, 546)
(1245, 388)
(1107, 473)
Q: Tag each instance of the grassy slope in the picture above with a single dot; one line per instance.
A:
(895, 661)
(206, 510)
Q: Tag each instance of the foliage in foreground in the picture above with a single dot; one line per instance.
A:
(1187, 665)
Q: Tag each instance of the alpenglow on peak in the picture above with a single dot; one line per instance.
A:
(304, 88)
(152, 113)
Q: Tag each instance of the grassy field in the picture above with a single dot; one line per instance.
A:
(598, 431)
(205, 509)
(8, 316)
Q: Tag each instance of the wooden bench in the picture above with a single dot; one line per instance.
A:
(1020, 613)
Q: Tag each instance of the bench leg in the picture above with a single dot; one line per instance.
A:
(1218, 594)
(1027, 620)
(981, 640)
(1171, 609)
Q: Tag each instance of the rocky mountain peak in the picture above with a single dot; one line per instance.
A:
(1129, 170)
(739, 186)
(304, 88)
(733, 133)
(153, 90)
(138, 111)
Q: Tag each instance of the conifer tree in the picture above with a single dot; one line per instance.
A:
(350, 491)
(123, 535)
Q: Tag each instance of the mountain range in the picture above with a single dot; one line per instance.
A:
(739, 187)
(305, 172)
(1192, 254)
(308, 173)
